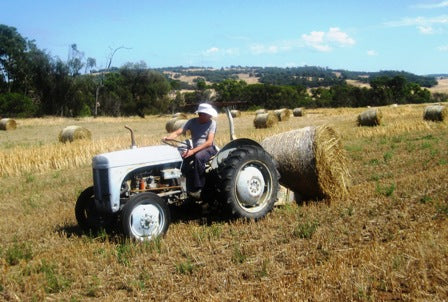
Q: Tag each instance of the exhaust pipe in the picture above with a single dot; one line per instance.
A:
(231, 127)
(133, 145)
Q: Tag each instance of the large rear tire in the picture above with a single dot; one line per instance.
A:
(88, 217)
(248, 180)
(145, 216)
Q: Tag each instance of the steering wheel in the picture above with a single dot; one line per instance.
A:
(176, 144)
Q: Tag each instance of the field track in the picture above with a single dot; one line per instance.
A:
(388, 240)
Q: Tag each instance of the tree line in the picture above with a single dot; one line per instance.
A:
(33, 83)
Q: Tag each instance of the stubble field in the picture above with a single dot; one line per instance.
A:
(388, 240)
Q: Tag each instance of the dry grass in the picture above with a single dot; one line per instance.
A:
(388, 240)
(441, 87)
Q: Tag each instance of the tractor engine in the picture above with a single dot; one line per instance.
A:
(165, 182)
(119, 175)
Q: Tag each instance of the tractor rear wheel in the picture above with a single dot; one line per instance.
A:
(248, 180)
(145, 216)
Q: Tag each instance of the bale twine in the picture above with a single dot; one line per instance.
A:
(259, 111)
(311, 162)
(71, 133)
(298, 112)
(7, 124)
(283, 114)
(235, 113)
(265, 120)
(371, 117)
(174, 124)
(436, 113)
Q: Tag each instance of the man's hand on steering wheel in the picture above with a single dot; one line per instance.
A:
(174, 143)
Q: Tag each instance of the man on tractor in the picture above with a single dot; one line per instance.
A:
(202, 129)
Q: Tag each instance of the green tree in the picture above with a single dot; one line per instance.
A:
(12, 59)
(16, 105)
(148, 89)
(75, 60)
(230, 90)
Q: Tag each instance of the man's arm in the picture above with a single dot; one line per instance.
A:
(208, 143)
(173, 134)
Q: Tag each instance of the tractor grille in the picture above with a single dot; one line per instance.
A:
(101, 185)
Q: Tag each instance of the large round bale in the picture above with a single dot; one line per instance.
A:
(180, 115)
(72, 133)
(298, 112)
(265, 120)
(283, 114)
(174, 124)
(259, 111)
(311, 161)
(371, 117)
(436, 113)
(7, 124)
(235, 113)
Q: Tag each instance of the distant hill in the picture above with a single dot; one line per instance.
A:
(308, 76)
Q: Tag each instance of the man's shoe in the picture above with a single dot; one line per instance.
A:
(195, 195)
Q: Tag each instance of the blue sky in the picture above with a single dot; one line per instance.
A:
(353, 35)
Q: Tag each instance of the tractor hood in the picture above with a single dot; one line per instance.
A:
(137, 156)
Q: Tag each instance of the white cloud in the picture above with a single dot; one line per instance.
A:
(325, 41)
(423, 24)
(215, 51)
(425, 29)
(372, 52)
(211, 51)
(283, 46)
(339, 37)
(232, 51)
(433, 5)
(443, 48)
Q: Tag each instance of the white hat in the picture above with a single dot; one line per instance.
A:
(208, 109)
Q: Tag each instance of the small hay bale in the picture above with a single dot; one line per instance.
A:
(436, 113)
(371, 117)
(72, 133)
(283, 114)
(235, 113)
(311, 162)
(259, 111)
(298, 112)
(180, 115)
(7, 124)
(265, 120)
(174, 124)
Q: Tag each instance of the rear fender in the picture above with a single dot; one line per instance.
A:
(229, 148)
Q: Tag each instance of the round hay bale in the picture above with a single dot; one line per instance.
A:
(371, 117)
(180, 115)
(72, 133)
(174, 124)
(7, 124)
(311, 162)
(283, 114)
(265, 120)
(235, 113)
(259, 111)
(436, 113)
(298, 112)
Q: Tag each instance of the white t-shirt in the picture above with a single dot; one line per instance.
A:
(199, 132)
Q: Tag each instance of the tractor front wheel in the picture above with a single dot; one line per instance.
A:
(145, 216)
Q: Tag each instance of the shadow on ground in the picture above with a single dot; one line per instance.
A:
(203, 214)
